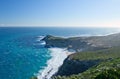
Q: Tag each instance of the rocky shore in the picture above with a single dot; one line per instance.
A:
(82, 44)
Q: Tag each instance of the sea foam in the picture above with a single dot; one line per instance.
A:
(58, 56)
(40, 41)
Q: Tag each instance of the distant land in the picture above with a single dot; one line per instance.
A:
(83, 43)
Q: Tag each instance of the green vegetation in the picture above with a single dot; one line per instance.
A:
(34, 77)
(109, 74)
(109, 69)
(113, 52)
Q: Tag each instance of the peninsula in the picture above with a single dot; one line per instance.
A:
(96, 57)
(93, 54)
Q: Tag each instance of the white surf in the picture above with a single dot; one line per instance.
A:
(58, 56)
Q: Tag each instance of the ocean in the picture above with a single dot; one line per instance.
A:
(23, 55)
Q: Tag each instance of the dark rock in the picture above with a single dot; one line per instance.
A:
(70, 66)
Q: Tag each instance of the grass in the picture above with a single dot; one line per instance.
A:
(95, 55)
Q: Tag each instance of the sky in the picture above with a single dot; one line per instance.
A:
(78, 13)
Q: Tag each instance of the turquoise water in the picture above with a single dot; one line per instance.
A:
(22, 55)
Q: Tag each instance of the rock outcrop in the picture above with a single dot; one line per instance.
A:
(71, 66)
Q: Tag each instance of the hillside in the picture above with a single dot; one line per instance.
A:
(113, 52)
(109, 69)
(92, 56)
(83, 43)
(80, 62)
(100, 64)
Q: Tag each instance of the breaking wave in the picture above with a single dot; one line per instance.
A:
(58, 55)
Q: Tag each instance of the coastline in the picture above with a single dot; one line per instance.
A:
(58, 55)
(60, 50)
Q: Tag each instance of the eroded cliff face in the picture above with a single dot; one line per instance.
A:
(108, 69)
(71, 66)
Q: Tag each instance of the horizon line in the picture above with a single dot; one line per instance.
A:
(63, 26)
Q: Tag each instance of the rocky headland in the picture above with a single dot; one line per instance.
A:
(83, 43)
(90, 51)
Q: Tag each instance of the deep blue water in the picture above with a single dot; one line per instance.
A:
(22, 56)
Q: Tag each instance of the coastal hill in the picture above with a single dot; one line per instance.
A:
(101, 64)
(109, 69)
(93, 54)
(82, 61)
(83, 43)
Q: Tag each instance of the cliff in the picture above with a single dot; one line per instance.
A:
(109, 69)
(71, 66)
(82, 61)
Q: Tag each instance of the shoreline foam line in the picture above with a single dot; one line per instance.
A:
(53, 64)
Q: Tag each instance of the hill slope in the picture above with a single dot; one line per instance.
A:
(109, 69)
(97, 57)
(83, 43)
(80, 62)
